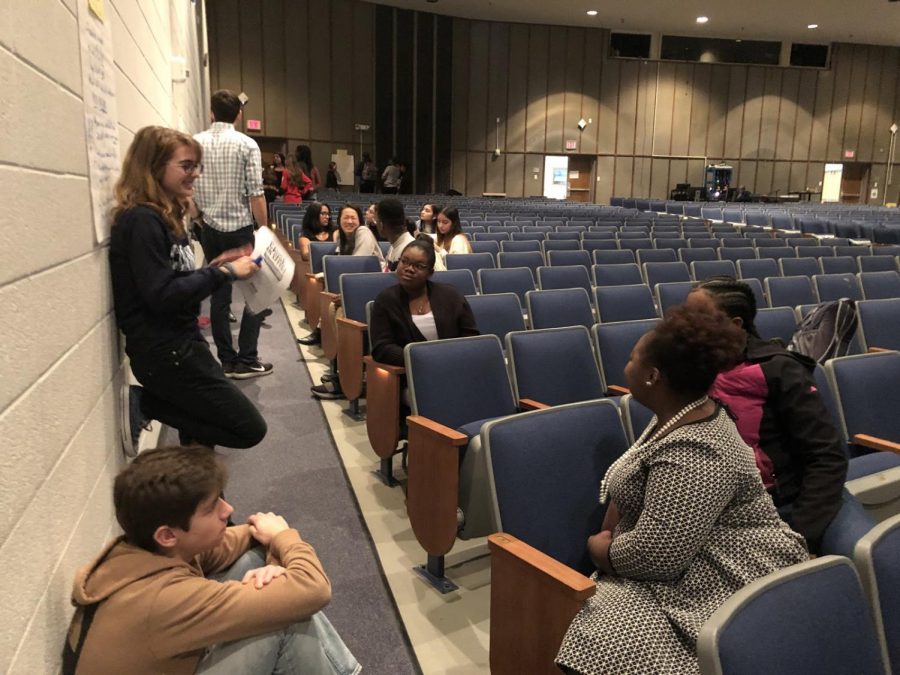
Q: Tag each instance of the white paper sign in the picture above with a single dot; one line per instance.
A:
(276, 269)
(100, 114)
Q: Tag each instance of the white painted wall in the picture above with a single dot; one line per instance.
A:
(60, 361)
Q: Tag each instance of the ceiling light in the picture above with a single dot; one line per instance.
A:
(702, 19)
(592, 12)
(813, 25)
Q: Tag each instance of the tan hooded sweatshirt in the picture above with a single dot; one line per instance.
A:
(159, 614)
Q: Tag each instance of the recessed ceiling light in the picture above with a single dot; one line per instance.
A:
(702, 19)
(813, 25)
(592, 12)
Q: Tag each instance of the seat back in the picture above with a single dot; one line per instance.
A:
(704, 269)
(527, 236)
(497, 313)
(791, 267)
(842, 264)
(490, 236)
(635, 416)
(458, 381)
(656, 255)
(757, 269)
(317, 251)
(491, 247)
(569, 233)
(877, 263)
(876, 557)
(814, 251)
(544, 468)
(518, 280)
(776, 252)
(568, 276)
(790, 291)
(336, 265)
(673, 242)
(530, 259)
(669, 295)
(836, 286)
(561, 245)
(469, 261)
(880, 285)
(617, 275)
(614, 342)
(559, 307)
(515, 246)
(461, 280)
(635, 244)
(554, 365)
(624, 303)
(879, 323)
(357, 290)
(776, 322)
(556, 258)
(665, 272)
(689, 255)
(807, 618)
(865, 390)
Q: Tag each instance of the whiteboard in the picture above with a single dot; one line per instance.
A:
(345, 167)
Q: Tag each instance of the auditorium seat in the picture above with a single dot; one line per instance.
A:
(564, 276)
(617, 275)
(518, 280)
(836, 286)
(879, 285)
(879, 324)
(614, 342)
(558, 308)
(790, 291)
(470, 261)
(876, 558)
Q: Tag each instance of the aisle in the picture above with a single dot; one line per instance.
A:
(296, 472)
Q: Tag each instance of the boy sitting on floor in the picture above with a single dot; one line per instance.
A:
(146, 605)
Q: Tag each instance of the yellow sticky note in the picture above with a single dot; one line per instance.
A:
(96, 6)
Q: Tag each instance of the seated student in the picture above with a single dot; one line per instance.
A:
(146, 605)
(427, 222)
(371, 221)
(393, 227)
(450, 237)
(417, 309)
(316, 227)
(689, 521)
(780, 415)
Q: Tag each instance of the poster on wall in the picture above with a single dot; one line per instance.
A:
(100, 113)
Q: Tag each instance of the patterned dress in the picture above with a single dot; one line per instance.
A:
(696, 525)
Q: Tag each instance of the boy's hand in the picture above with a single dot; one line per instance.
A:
(265, 526)
(261, 576)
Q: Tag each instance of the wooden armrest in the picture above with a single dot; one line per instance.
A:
(873, 350)
(331, 297)
(393, 370)
(533, 601)
(876, 443)
(433, 486)
(354, 325)
(383, 419)
(437, 430)
(616, 390)
(531, 404)
(350, 351)
(328, 304)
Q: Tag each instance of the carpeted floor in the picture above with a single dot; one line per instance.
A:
(296, 472)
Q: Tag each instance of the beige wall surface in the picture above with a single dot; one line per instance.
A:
(61, 360)
(308, 64)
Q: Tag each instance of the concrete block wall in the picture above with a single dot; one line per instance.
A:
(61, 361)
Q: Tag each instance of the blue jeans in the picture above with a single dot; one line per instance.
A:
(309, 646)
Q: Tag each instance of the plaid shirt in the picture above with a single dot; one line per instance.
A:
(232, 173)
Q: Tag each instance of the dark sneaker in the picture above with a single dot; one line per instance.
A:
(329, 391)
(328, 377)
(231, 317)
(314, 338)
(244, 371)
(228, 369)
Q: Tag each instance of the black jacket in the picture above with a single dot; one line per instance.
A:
(800, 454)
(392, 326)
(156, 305)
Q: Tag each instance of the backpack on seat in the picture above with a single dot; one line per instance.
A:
(827, 331)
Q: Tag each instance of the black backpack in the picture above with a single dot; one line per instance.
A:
(70, 656)
(826, 332)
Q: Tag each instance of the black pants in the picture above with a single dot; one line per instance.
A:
(185, 388)
(214, 244)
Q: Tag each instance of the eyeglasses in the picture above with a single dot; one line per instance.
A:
(189, 167)
(421, 267)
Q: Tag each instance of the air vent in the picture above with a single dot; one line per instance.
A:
(809, 56)
(629, 45)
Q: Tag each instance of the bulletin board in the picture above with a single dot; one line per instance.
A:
(345, 166)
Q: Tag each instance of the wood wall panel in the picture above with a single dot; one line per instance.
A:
(776, 126)
(534, 187)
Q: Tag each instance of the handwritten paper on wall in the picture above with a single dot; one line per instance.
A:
(100, 114)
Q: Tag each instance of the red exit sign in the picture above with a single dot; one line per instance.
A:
(254, 125)
(849, 154)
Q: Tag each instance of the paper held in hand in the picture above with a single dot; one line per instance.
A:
(276, 269)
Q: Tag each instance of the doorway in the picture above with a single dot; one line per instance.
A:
(556, 171)
(581, 178)
(854, 183)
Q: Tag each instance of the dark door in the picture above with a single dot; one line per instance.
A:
(854, 181)
(581, 178)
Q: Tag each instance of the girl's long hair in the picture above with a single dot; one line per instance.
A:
(345, 243)
(455, 226)
(140, 183)
(294, 172)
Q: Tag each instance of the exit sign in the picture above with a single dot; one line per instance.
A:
(571, 145)
(254, 125)
(849, 154)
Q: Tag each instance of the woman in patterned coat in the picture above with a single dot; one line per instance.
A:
(689, 521)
